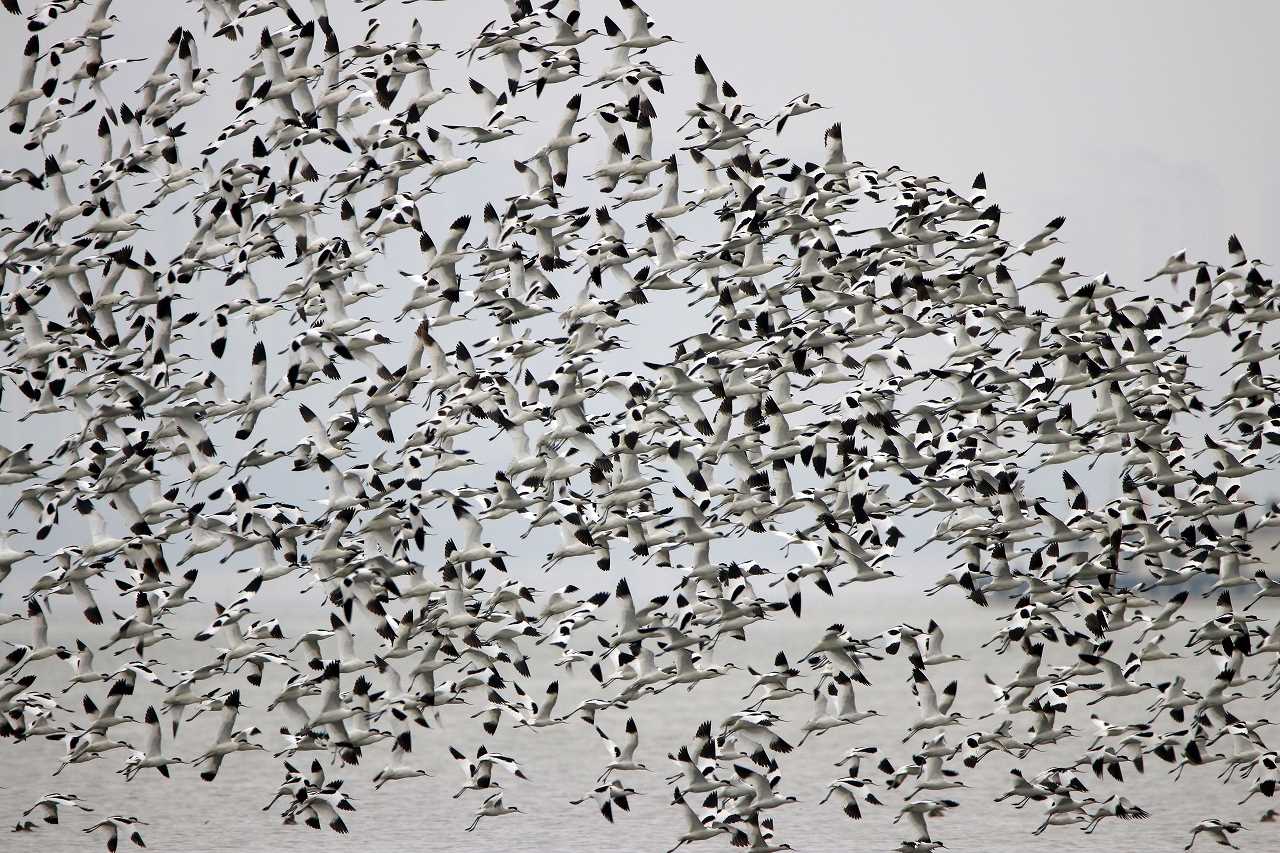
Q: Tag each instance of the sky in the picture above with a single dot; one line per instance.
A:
(1149, 126)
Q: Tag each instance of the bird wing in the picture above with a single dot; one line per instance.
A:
(925, 693)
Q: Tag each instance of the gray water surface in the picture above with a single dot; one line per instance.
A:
(563, 762)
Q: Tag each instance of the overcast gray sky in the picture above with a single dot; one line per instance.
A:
(1149, 126)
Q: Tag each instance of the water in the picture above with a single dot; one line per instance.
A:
(562, 763)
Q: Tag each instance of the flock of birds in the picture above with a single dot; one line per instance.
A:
(179, 308)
